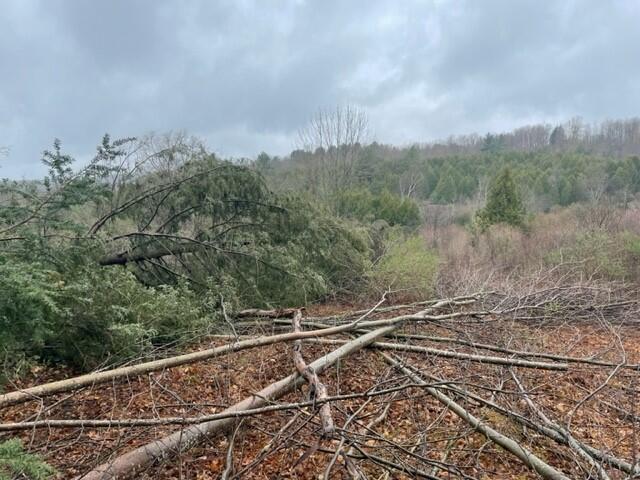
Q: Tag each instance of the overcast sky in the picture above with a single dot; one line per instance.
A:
(246, 75)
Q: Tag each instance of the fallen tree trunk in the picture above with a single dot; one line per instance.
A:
(570, 440)
(70, 384)
(513, 362)
(91, 379)
(161, 421)
(520, 353)
(600, 455)
(289, 312)
(259, 313)
(137, 460)
(527, 457)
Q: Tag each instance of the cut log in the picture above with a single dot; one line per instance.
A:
(570, 440)
(519, 353)
(131, 463)
(91, 379)
(258, 313)
(622, 465)
(513, 362)
(318, 389)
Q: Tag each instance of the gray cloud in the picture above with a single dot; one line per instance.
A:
(245, 75)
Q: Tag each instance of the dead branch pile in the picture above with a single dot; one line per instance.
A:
(488, 385)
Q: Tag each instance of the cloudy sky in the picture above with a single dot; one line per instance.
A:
(245, 75)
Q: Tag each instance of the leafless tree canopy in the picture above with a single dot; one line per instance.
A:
(333, 140)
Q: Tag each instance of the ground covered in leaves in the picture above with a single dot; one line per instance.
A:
(415, 432)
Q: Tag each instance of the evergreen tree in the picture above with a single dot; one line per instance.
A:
(558, 137)
(446, 190)
(504, 204)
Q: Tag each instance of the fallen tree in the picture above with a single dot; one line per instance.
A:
(71, 384)
(137, 460)
(131, 463)
(354, 425)
(514, 362)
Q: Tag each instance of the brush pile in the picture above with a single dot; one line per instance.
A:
(487, 385)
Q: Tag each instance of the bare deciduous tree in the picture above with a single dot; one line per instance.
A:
(333, 140)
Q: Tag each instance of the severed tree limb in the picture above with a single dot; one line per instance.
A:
(133, 462)
(318, 389)
(527, 457)
(259, 313)
(570, 440)
(350, 467)
(386, 463)
(619, 464)
(269, 449)
(520, 353)
(91, 379)
(514, 362)
(354, 472)
(289, 312)
(228, 469)
(155, 421)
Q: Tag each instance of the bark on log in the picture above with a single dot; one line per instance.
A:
(159, 421)
(570, 439)
(520, 353)
(259, 313)
(70, 384)
(319, 390)
(513, 362)
(88, 380)
(137, 460)
(622, 465)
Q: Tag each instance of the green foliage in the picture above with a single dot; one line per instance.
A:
(548, 176)
(446, 190)
(202, 232)
(310, 255)
(601, 254)
(89, 316)
(28, 310)
(16, 463)
(408, 267)
(361, 204)
(107, 315)
(504, 204)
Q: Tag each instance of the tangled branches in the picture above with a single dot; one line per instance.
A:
(541, 384)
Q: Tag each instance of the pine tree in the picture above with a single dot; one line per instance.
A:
(445, 191)
(504, 204)
(558, 137)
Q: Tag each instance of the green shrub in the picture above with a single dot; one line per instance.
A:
(16, 463)
(504, 204)
(313, 254)
(408, 267)
(363, 205)
(597, 253)
(94, 316)
(106, 314)
(28, 311)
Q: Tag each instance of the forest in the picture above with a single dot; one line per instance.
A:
(457, 309)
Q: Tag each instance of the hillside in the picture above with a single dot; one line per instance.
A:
(168, 314)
